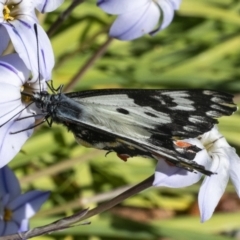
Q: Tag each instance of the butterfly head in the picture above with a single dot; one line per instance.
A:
(42, 100)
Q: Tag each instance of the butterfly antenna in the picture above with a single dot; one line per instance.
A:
(49, 122)
(31, 127)
(16, 114)
(38, 59)
(50, 86)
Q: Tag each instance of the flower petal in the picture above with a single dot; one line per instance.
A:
(24, 225)
(13, 70)
(234, 168)
(9, 183)
(47, 5)
(213, 187)
(1, 11)
(120, 7)
(171, 176)
(10, 228)
(176, 3)
(22, 8)
(168, 13)
(134, 24)
(9, 93)
(2, 224)
(11, 144)
(174, 177)
(214, 139)
(24, 40)
(4, 39)
(26, 205)
(46, 55)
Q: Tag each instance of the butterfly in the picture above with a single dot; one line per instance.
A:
(138, 122)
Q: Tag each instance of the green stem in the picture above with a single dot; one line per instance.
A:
(62, 17)
(82, 215)
(87, 65)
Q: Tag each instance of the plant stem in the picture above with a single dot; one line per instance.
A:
(82, 215)
(147, 183)
(88, 64)
(62, 17)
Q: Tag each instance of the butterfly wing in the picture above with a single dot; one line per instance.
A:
(148, 123)
(168, 113)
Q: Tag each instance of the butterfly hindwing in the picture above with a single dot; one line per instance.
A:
(125, 147)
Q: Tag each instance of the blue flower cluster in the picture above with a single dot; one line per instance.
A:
(30, 67)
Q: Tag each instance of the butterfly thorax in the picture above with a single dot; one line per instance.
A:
(46, 102)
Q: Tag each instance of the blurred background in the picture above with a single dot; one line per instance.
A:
(200, 49)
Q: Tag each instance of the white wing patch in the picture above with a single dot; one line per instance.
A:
(103, 111)
(110, 120)
(106, 100)
(182, 100)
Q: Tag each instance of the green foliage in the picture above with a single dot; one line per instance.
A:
(200, 49)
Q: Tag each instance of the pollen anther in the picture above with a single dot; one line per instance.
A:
(7, 215)
(6, 14)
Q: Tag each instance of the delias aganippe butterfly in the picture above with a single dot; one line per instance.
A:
(130, 122)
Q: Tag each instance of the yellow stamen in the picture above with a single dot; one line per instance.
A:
(25, 98)
(7, 215)
(6, 14)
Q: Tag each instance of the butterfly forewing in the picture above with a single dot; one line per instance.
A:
(172, 114)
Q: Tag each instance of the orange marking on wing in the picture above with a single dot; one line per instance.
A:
(123, 157)
(182, 144)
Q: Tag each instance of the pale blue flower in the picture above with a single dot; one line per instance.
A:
(17, 208)
(17, 19)
(139, 17)
(44, 6)
(218, 157)
(13, 79)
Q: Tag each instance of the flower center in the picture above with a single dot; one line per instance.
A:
(7, 215)
(25, 98)
(6, 13)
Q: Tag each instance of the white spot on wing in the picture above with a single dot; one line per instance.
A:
(196, 119)
(217, 99)
(160, 99)
(213, 114)
(182, 101)
(183, 108)
(190, 128)
(216, 107)
(208, 92)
